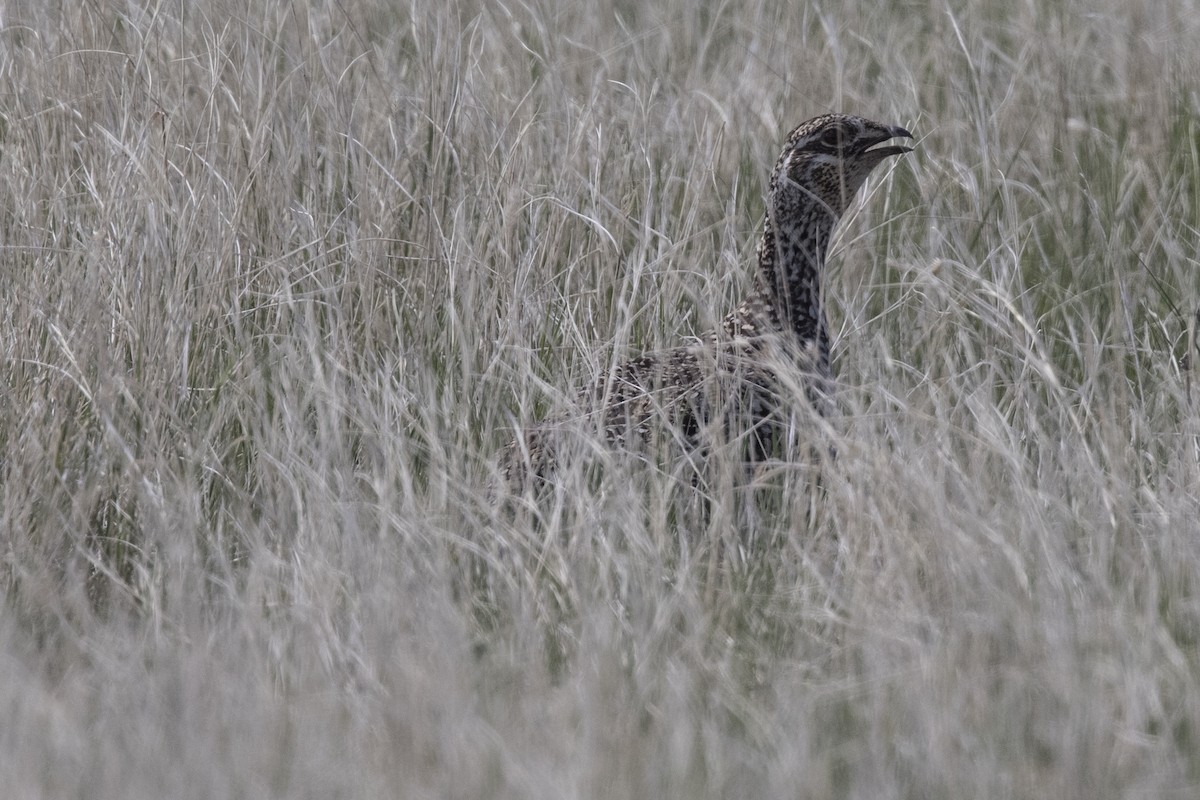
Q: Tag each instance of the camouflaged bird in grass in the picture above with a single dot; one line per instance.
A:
(735, 381)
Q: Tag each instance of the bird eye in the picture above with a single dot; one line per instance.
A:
(832, 137)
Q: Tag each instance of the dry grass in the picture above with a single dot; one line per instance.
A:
(279, 283)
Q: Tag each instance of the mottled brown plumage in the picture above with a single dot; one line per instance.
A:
(730, 383)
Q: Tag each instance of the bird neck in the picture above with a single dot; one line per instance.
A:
(791, 260)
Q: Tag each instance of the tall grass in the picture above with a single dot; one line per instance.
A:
(279, 283)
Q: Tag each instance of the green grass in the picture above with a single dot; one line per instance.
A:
(279, 284)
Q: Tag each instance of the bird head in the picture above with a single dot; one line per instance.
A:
(826, 160)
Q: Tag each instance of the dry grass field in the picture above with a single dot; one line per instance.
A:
(280, 283)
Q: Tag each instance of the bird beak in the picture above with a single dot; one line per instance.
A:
(883, 135)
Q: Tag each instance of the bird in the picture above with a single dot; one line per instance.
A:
(729, 382)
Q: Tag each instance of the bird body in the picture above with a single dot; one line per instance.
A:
(730, 380)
